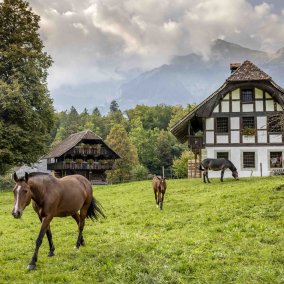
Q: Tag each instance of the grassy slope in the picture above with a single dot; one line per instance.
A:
(231, 232)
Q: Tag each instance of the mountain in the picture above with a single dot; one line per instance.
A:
(191, 78)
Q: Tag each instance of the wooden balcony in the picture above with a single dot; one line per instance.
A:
(195, 143)
(80, 166)
(94, 151)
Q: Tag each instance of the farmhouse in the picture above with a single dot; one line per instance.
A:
(238, 122)
(82, 153)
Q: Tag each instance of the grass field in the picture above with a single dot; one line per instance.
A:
(231, 232)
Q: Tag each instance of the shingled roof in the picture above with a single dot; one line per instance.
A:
(246, 72)
(72, 141)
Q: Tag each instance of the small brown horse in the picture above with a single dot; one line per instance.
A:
(220, 164)
(159, 186)
(53, 197)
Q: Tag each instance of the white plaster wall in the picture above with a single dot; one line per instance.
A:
(235, 154)
(236, 94)
(210, 124)
(269, 105)
(222, 139)
(235, 123)
(225, 106)
(227, 97)
(258, 94)
(209, 137)
(216, 109)
(236, 106)
(248, 139)
(267, 96)
(259, 105)
(261, 122)
(275, 138)
(235, 136)
(279, 107)
(247, 107)
(262, 136)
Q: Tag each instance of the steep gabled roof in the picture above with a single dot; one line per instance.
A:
(72, 141)
(245, 73)
(248, 72)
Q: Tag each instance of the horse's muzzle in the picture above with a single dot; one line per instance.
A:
(17, 214)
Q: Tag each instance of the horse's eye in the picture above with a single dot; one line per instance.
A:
(25, 191)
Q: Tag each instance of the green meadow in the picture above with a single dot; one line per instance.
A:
(230, 232)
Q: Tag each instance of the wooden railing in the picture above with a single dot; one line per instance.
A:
(80, 166)
(88, 151)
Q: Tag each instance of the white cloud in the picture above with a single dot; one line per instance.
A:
(90, 39)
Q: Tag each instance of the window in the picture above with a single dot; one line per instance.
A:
(275, 159)
(247, 96)
(248, 159)
(274, 124)
(224, 155)
(248, 122)
(222, 125)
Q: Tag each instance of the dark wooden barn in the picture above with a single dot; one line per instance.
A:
(83, 153)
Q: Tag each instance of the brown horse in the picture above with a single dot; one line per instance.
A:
(159, 186)
(53, 197)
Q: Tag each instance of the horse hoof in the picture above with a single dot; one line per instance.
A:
(157, 206)
(51, 253)
(31, 267)
(76, 248)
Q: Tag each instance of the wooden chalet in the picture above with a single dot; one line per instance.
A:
(238, 122)
(83, 153)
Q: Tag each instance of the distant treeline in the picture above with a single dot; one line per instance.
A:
(140, 135)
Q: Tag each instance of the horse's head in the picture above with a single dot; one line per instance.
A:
(22, 195)
(235, 174)
(163, 184)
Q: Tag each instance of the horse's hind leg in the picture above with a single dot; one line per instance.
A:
(51, 246)
(77, 219)
(82, 217)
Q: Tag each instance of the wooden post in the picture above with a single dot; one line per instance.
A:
(261, 169)
(163, 171)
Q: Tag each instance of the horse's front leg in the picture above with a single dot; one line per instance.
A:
(156, 198)
(161, 200)
(49, 237)
(222, 174)
(204, 177)
(44, 227)
(207, 177)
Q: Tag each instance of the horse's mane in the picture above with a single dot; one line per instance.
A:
(232, 166)
(33, 174)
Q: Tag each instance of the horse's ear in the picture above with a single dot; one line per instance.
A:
(26, 177)
(15, 177)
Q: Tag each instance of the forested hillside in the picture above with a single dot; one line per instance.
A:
(147, 144)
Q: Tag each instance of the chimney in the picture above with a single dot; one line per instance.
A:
(234, 67)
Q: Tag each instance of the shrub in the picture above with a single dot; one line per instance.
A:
(6, 183)
(139, 172)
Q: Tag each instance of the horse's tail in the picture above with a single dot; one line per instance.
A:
(95, 210)
(200, 167)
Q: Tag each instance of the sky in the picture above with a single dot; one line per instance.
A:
(97, 44)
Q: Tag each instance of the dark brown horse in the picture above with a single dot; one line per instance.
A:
(53, 197)
(217, 165)
(159, 186)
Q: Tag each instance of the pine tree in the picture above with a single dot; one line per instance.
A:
(26, 111)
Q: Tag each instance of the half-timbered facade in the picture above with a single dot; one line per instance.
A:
(82, 153)
(239, 122)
